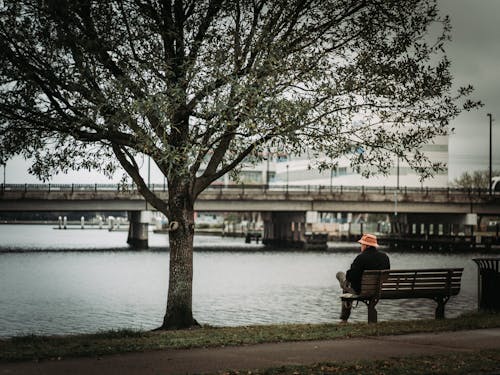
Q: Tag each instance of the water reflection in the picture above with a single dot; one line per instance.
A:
(301, 287)
(61, 292)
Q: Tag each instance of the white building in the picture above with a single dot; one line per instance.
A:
(301, 171)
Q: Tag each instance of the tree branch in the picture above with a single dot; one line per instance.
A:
(128, 163)
(206, 179)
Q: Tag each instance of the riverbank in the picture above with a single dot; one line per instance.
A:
(115, 342)
(463, 345)
(463, 352)
(243, 248)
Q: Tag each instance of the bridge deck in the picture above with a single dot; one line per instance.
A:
(113, 197)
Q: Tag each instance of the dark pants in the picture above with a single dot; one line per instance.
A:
(345, 311)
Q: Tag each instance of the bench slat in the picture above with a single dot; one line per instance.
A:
(418, 294)
(409, 289)
(422, 279)
(421, 287)
(418, 277)
(417, 282)
(421, 270)
(410, 283)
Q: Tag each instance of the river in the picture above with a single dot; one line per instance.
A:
(80, 281)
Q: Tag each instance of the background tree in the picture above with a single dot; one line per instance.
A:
(203, 86)
(474, 180)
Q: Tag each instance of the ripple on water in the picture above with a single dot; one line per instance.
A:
(77, 292)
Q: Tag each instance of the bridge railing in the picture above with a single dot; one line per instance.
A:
(340, 189)
(59, 187)
(242, 188)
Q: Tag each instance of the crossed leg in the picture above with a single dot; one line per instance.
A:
(345, 312)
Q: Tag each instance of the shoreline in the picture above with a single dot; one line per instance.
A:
(459, 245)
(19, 348)
(250, 249)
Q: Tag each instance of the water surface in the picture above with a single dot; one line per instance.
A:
(100, 284)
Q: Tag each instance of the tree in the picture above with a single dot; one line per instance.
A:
(201, 87)
(474, 180)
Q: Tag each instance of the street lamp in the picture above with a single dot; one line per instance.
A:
(394, 226)
(397, 188)
(287, 177)
(397, 173)
(490, 180)
(331, 179)
(267, 169)
(149, 172)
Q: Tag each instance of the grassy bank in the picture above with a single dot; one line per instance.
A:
(43, 347)
(478, 362)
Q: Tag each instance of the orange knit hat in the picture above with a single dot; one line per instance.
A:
(369, 239)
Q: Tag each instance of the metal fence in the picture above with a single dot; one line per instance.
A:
(242, 188)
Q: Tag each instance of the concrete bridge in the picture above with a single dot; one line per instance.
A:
(284, 208)
(254, 198)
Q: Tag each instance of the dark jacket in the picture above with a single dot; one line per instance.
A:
(370, 259)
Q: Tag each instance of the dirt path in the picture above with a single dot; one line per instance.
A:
(263, 355)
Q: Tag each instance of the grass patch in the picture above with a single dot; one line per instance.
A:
(94, 345)
(485, 361)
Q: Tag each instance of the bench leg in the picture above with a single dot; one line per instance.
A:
(441, 302)
(372, 311)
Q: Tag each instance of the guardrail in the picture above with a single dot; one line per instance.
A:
(318, 189)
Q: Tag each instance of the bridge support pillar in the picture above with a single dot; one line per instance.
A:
(292, 230)
(284, 229)
(399, 224)
(435, 231)
(138, 229)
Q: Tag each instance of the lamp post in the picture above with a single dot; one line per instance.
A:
(287, 178)
(267, 169)
(397, 173)
(394, 228)
(397, 188)
(149, 172)
(331, 179)
(489, 181)
(3, 185)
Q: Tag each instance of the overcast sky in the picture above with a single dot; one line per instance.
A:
(475, 56)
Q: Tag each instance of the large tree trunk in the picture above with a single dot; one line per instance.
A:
(179, 312)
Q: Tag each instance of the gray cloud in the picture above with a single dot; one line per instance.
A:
(475, 55)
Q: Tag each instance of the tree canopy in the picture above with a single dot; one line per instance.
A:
(474, 180)
(211, 83)
(202, 86)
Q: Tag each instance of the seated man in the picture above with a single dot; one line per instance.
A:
(369, 259)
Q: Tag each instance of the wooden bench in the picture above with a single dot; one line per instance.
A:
(438, 284)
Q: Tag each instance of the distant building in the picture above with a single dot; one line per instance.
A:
(297, 170)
